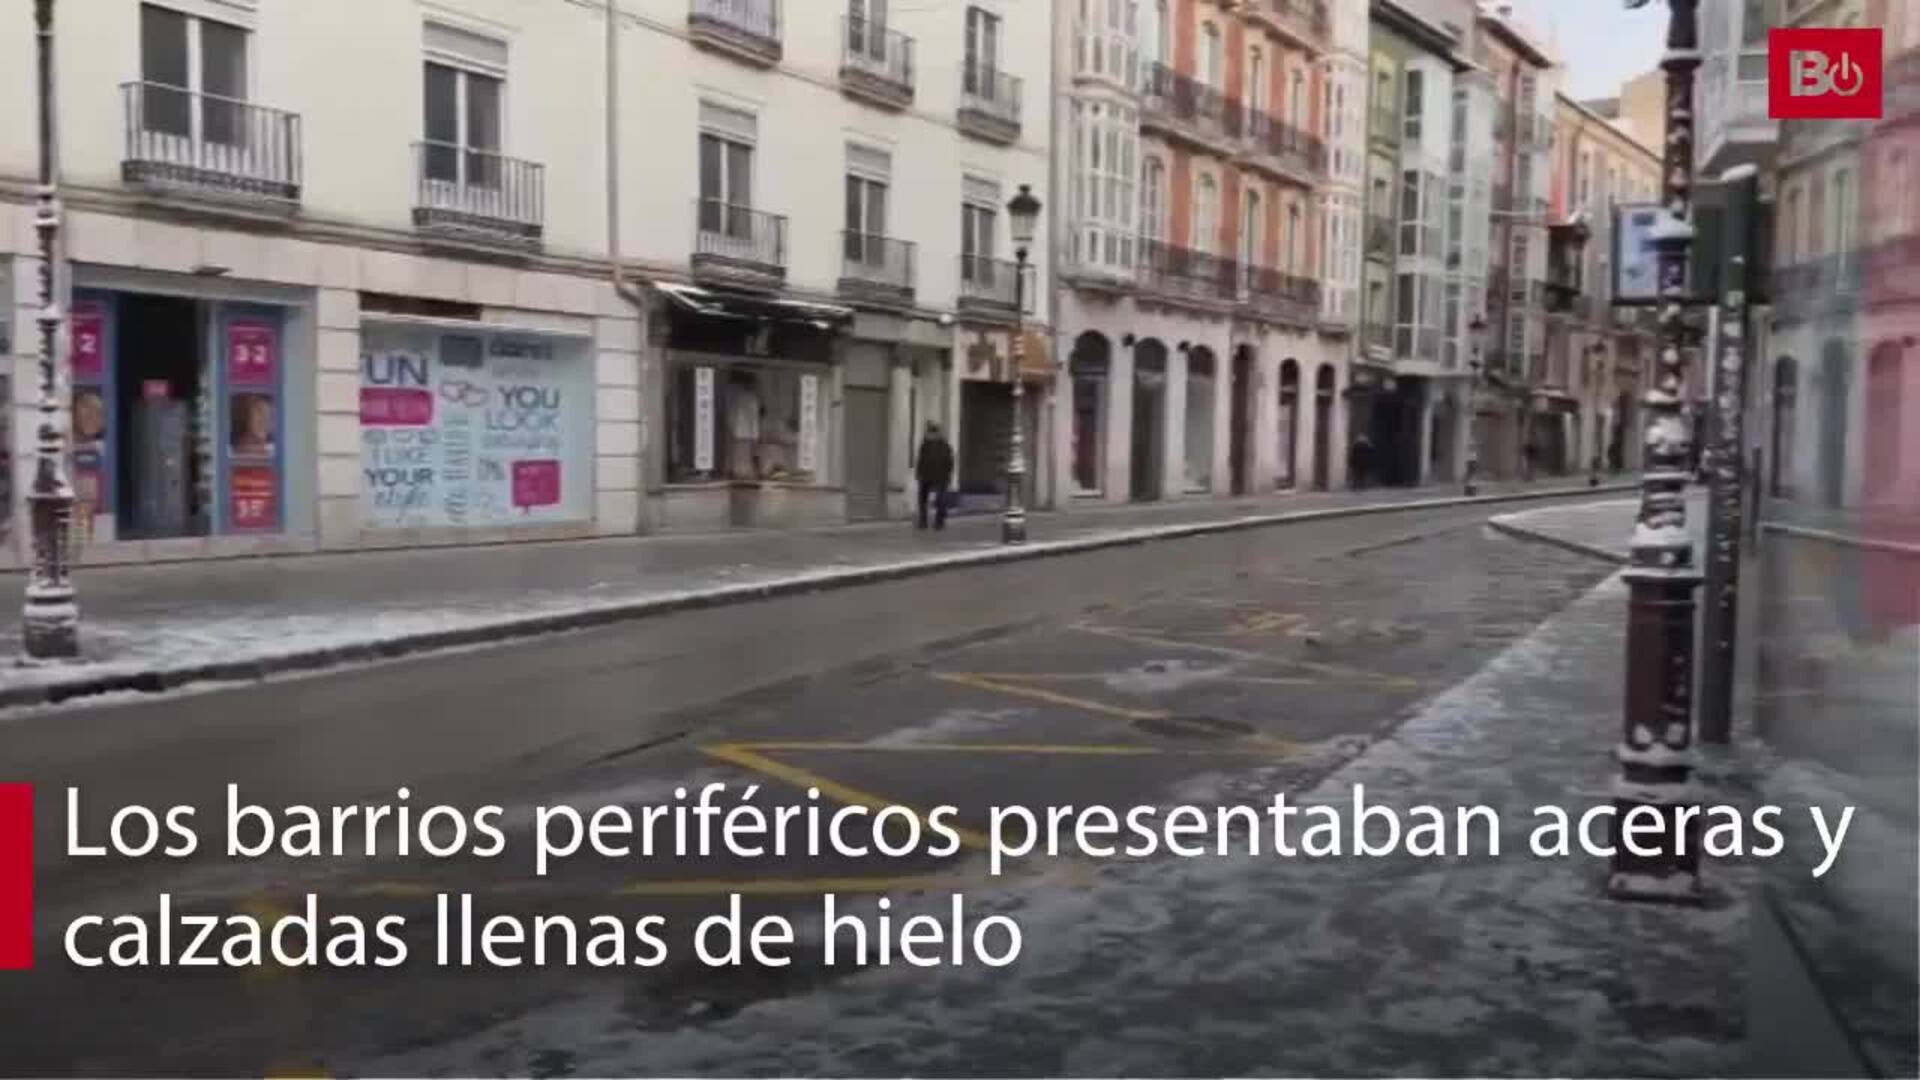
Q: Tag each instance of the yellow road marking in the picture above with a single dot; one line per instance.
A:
(1139, 638)
(740, 755)
(1090, 676)
(1016, 749)
(982, 682)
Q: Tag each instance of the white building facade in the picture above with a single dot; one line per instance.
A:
(324, 313)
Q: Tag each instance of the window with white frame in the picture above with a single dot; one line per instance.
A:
(1153, 200)
(465, 108)
(1105, 164)
(982, 46)
(869, 173)
(1296, 239)
(1162, 34)
(1414, 111)
(727, 139)
(1843, 211)
(1206, 215)
(1256, 79)
(1297, 100)
(194, 76)
(1107, 42)
(979, 214)
(1210, 55)
(1250, 222)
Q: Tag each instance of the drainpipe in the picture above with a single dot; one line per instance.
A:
(627, 291)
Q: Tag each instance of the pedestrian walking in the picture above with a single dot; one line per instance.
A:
(933, 470)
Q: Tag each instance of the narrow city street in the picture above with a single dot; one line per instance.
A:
(1221, 667)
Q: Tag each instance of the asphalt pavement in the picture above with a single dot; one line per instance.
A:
(1154, 674)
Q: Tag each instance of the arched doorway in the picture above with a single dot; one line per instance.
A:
(1286, 473)
(1149, 406)
(1197, 449)
(1088, 366)
(1323, 428)
(1834, 391)
(1446, 414)
(1626, 428)
(1880, 464)
(1786, 397)
(1240, 424)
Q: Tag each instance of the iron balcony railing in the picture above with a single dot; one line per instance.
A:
(872, 50)
(1380, 336)
(1305, 19)
(990, 283)
(740, 234)
(1192, 104)
(759, 19)
(1294, 148)
(1186, 272)
(872, 261)
(1821, 284)
(990, 92)
(466, 188)
(1275, 293)
(203, 141)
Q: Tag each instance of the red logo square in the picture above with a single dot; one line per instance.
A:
(16, 877)
(1819, 73)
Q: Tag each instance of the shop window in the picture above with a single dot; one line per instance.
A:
(473, 428)
(744, 421)
(1088, 368)
(194, 76)
(177, 416)
(1199, 421)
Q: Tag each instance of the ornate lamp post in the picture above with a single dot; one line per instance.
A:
(1476, 338)
(1656, 749)
(1023, 214)
(49, 620)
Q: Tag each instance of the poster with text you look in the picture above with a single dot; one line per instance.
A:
(472, 429)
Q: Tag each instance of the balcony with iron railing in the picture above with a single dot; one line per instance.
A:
(1303, 21)
(1179, 273)
(1383, 125)
(1273, 294)
(876, 269)
(1826, 285)
(748, 30)
(989, 104)
(989, 287)
(471, 195)
(876, 64)
(738, 245)
(204, 146)
(1379, 335)
(1284, 148)
(1178, 106)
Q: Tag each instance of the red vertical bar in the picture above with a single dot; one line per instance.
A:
(16, 877)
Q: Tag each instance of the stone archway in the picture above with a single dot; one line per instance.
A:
(1088, 368)
(1323, 399)
(1286, 470)
(1148, 435)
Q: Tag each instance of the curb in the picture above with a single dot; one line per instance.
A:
(1536, 536)
(159, 680)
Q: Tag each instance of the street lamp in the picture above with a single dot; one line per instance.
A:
(1657, 726)
(49, 618)
(1023, 214)
(1476, 337)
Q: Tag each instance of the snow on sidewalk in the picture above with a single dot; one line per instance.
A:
(1603, 529)
(1272, 966)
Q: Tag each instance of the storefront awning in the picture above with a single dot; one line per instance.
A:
(722, 304)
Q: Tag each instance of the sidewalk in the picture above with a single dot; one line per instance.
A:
(1602, 529)
(155, 627)
(1346, 966)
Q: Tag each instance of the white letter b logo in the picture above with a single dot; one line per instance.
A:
(1810, 75)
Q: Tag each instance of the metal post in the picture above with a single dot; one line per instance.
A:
(1726, 480)
(1013, 522)
(1656, 749)
(49, 619)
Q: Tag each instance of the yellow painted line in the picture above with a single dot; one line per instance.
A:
(981, 682)
(799, 886)
(1396, 681)
(740, 755)
(295, 1072)
(1093, 676)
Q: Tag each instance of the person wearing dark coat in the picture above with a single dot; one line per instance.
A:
(933, 470)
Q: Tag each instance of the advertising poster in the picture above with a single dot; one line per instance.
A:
(473, 430)
(92, 417)
(253, 422)
(1636, 263)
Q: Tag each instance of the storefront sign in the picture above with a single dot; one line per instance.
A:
(473, 429)
(251, 354)
(89, 343)
(703, 419)
(1636, 262)
(809, 422)
(254, 498)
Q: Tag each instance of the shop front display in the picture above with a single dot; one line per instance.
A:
(177, 409)
(478, 428)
